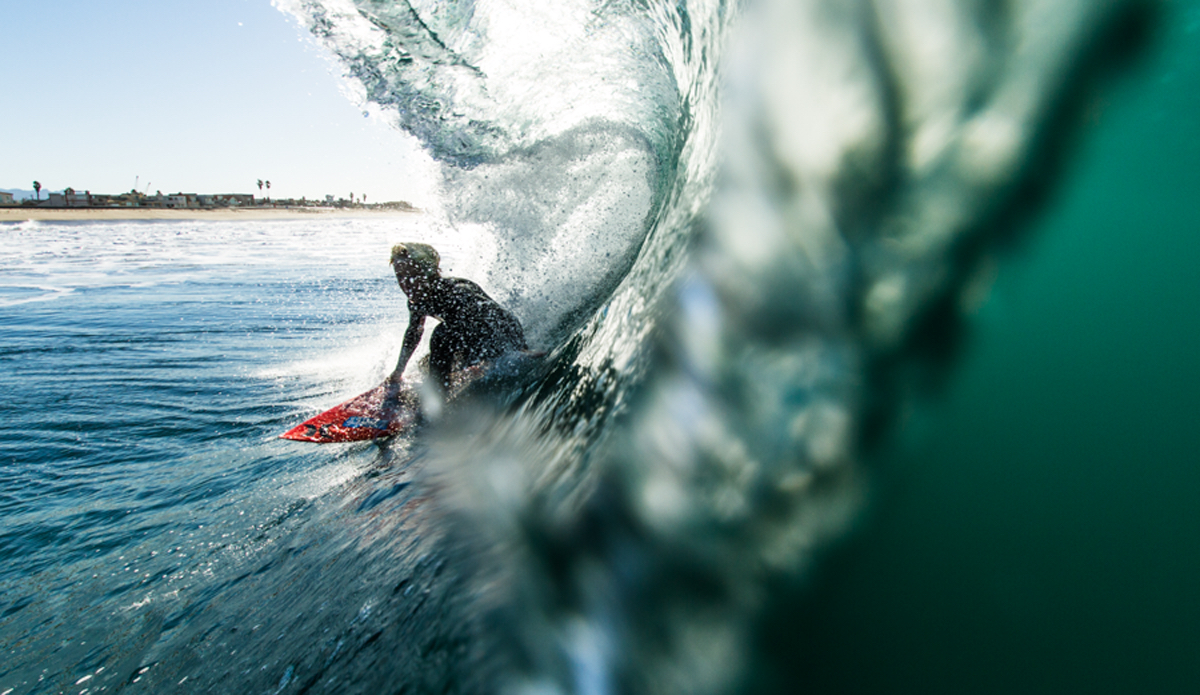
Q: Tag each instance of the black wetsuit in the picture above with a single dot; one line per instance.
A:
(473, 326)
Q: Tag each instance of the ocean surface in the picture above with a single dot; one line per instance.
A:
(736, 472)
(149, 367)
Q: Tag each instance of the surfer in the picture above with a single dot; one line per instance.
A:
(473, 326)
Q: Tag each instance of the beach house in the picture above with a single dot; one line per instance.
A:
(68, 198)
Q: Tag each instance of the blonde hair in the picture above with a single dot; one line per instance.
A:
(423, 256)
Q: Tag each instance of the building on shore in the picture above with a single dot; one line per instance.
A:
(69, 198)
(7, 198)
(225, 200)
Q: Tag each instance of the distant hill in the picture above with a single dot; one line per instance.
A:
(22, 194)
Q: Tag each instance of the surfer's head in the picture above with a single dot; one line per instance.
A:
(416, 261)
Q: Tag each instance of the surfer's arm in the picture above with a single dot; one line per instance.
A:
(412, 337)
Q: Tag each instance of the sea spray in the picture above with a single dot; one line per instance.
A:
(572, 132)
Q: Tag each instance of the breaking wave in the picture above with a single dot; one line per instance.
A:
(725, 220)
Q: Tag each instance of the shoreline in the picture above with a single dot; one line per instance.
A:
(23, 214)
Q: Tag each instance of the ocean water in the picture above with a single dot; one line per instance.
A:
(1034, 525)
(762, 455)
(149, 367)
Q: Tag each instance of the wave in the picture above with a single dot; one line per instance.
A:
(14, 295)
(729, 223)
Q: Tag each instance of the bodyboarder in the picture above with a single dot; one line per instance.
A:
(473, 326)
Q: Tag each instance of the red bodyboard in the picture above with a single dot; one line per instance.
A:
(373, 415)
(361, 418)
(366, 416)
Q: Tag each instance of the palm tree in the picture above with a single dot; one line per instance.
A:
(37, 189)
(268, 190)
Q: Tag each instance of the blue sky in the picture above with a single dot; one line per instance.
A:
(187, 95)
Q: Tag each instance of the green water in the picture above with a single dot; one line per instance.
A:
(1038, 529)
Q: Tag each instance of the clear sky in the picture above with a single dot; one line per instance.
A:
(201, 96)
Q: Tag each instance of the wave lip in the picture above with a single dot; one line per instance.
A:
(473, 81)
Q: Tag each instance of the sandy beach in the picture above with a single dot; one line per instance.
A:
(21, 214)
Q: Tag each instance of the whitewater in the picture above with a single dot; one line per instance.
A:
(730, 225)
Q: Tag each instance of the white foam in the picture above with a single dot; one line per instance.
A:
(46, 294)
